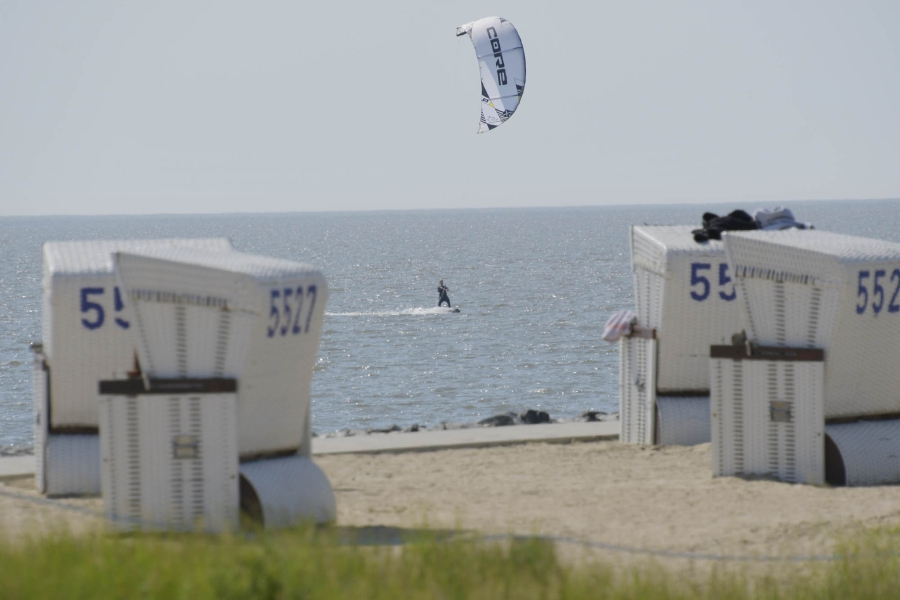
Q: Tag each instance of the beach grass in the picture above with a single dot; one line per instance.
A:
(314, 563)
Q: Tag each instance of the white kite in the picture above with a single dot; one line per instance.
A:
(501, 60)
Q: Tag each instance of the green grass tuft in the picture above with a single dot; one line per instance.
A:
(309, 563)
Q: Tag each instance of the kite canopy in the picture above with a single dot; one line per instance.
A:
(501, 60)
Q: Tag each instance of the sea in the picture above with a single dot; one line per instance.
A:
(534, 286)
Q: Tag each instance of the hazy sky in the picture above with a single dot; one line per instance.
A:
(146, 107)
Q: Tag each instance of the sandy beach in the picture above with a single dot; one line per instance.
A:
(605, 493)
(659, 499)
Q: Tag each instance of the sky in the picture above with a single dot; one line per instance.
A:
(122, 107)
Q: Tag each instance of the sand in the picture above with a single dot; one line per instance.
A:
(606, 493)
(26, 514)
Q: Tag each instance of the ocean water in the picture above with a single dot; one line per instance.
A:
(535, 287)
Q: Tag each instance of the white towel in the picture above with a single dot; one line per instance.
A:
(618, 325)
(780, 218)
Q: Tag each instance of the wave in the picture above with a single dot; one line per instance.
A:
(413, 312)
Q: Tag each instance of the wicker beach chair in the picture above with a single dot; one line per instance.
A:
(214, 315)
(803, 290)
(685, 301)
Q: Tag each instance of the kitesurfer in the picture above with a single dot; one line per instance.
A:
(443, 290)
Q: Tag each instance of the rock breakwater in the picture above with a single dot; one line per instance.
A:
(527, 417)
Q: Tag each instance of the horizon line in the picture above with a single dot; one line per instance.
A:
(446, 209)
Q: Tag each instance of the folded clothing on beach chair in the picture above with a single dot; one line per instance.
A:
(618, 325)
(714, 225)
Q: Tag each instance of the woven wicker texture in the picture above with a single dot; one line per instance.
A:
(170, 462)
(831, 291)
(85, 333)
(753, 436)
(228, 314)
(683, 421)
(870, 451)
(71, 465)
(192, 320)
(64, 464)
(683, 289)
(291, 490)
(41, 405)
(637, 395)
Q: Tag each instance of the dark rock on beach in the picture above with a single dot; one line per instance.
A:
(390, 429)
(16, 450)
(499, 420)
(528, 417)
(590, 415)
(532, 417)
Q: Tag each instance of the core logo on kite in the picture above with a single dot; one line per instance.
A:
(498, 48)
(498, 54)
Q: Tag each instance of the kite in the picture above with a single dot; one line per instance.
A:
(501, 60)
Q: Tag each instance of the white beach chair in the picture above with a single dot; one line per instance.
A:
(685, 301)
(816, 290)
(255, 319)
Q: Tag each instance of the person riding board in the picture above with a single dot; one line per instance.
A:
(443, 290)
